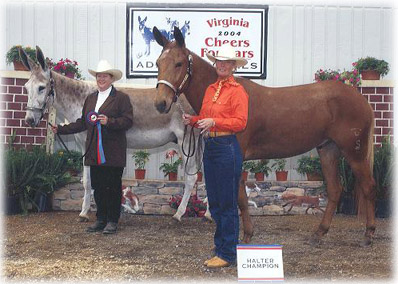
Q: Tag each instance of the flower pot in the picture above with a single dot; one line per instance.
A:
(73, 172)
(13, 205)
(70, 75)
(259, 176)
(383, 208)
(370, 75)
(43, 201)
(244, 175)
(200, 177)
(314, 177)
(18, 66)
(348, 206)
(281, 175)
(139, 173)
(172, 176)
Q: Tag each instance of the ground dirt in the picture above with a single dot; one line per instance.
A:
(53, 246)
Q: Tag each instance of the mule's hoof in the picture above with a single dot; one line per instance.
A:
(177, 218)
(365, 242)
(315, 240)
(83, 219)
(247, 239)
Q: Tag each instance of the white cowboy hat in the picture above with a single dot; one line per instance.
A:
(105, 67)
(226, 52)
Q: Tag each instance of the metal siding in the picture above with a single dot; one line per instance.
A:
(302, 38)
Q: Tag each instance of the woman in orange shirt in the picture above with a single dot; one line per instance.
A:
(224, 113)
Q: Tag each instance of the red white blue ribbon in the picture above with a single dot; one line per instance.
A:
(92, 118)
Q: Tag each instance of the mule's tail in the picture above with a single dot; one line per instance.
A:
(361, 199)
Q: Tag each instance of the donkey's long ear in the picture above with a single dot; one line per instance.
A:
(26, 60)
(160, 39)
(179, 37)
(40, 58)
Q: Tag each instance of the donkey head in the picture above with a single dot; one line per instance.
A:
(38, 86)
(172, 64)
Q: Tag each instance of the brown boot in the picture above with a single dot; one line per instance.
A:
(96, 227)
(207, 261)
(217, 262)
(110, 228)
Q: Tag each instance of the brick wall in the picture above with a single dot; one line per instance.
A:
(13, 99)
(381, 99)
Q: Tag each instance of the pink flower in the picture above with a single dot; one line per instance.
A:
(170, 154)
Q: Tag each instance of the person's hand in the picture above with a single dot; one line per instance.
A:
(103, 119)
(54, 129)
(206, 124)
(186, 118)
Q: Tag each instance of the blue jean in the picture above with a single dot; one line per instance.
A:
(222, 161)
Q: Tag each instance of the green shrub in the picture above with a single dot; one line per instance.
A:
(260, 166)
(309, 164)
(29, 172)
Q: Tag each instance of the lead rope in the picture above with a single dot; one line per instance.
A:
(66, 148)
(191, 146)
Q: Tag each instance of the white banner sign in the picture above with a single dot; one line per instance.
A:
(204, 28)
(260, 263)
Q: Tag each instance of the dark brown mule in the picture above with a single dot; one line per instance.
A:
(283, 122)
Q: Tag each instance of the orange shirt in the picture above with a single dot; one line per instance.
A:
(229, 111)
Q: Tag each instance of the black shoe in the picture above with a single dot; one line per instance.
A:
(96, 227)
(110, 228)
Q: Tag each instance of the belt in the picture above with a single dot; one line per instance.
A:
(219, 133)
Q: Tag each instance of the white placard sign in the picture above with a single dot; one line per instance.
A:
(204, 27)
(259, 263)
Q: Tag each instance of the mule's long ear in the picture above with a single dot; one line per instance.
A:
(26, 60)
(179, 37)
(40, 58)
(160, 39)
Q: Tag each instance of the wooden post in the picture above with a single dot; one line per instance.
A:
(52, 113)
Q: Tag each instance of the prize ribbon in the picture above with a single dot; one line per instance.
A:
(92, 118)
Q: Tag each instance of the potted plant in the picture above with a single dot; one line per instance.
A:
(383, 171)
(66, 67)
(352, 77)
(372, 68)
(347, 200)
(246, 166)
(74, 163)
(199, 176)
(260, 169)
(12, 56)
(310, 166)
(195, 206)
(140, 157)
(33, 175)
(170, 169)
(279, 167)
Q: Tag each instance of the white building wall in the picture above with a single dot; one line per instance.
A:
(303, 36)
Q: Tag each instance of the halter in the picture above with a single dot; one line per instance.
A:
(49, 95)
(178, 91)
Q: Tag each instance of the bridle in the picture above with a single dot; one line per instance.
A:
(178, 91)
(48, 96)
